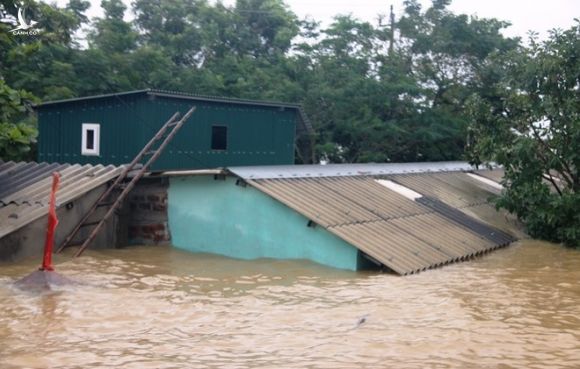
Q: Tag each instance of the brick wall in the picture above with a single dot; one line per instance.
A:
(145, 211)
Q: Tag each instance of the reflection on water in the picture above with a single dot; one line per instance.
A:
(152, 307)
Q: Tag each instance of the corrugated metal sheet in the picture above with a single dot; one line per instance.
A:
(16, 176)
(25, 187)
(492, 234)
(455, 189)
(406, 236)
(495, 175)
(179, 94)
(465, 193)
(499, 219)
(305, 125)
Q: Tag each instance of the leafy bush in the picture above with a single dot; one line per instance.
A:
(16, 139)
(531, 126)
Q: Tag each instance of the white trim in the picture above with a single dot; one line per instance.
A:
(485, 180)
(402, 190)
(96, 128)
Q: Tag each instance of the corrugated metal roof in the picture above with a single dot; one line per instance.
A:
(406, 236)
(16, 176)
(345, 170)
(181, 94)
(456, 189)
(25, 187)
(93, 97)
(495, 174)
(494, 235)
(463, 192)
(500, 219)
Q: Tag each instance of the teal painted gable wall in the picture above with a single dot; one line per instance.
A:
(217, 216)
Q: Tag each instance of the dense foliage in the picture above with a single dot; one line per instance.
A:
(390, 91)
(531, 126)
(17, 135)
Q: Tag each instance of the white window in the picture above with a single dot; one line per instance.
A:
(91, 139)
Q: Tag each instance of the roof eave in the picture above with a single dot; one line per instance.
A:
(95, 97)
(182, 95)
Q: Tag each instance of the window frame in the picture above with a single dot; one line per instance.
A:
(96, 150)
(212, 136)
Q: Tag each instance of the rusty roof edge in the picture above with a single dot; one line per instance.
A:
(346, 170)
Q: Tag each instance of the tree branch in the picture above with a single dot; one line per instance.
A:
(545, 160)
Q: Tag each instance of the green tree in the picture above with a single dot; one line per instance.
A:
(43, 63)
(112, 34)
(374, 92)
(531, 126)
(17, 135)
(343, 93)
(446, 53)
(176, 27)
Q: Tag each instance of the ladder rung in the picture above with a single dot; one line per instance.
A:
(89, 224)
(133, 172)
(73, 245)
(136, 166)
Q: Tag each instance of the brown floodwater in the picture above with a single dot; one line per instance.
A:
(158, 307)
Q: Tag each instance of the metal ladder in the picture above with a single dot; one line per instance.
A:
(164, 135)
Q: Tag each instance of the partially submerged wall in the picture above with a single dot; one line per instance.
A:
(407, 217)
(344, 217)
(219, 216)
(142, 220)
(24, 192)
(29, 240)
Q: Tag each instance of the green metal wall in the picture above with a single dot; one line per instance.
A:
(217, 216)
(256, 135)
(60, 131)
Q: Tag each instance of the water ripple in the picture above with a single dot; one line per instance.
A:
(162, 308)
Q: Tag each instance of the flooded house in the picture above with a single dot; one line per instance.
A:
(403, 218)
(228, 184)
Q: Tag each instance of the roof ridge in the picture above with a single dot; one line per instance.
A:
(223, 98)
(175, 93)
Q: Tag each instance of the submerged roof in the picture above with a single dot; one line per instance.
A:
(194, 97)
(449, 220)
(25, 188)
